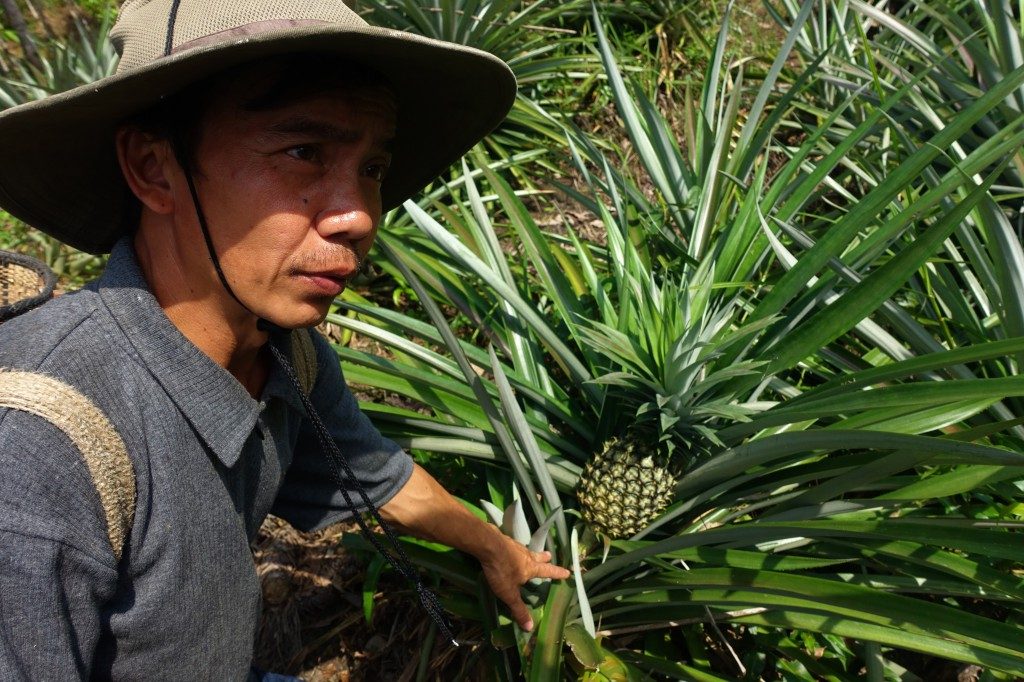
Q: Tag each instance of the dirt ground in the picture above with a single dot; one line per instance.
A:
(313, 624)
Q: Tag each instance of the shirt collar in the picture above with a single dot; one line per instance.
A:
(216, 404)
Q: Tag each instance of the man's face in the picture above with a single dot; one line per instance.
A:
(292, 196)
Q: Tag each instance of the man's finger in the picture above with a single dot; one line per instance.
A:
(550, 571)
(520, 614)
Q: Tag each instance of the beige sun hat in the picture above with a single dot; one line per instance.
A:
(60, 172)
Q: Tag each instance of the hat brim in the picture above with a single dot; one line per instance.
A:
(60, 171)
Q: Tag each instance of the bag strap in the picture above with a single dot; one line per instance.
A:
(91, 432)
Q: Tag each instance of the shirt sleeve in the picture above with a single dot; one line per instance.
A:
(56, 567)
(310, 497)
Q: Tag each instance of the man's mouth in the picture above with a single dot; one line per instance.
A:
(328, 283)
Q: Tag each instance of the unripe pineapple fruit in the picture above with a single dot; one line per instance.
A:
(622, 489)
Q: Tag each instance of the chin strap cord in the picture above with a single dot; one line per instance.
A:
(346, 479)
(182, 157)
(341, 470)
(172, 19)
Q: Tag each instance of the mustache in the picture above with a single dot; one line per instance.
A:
(328, 258)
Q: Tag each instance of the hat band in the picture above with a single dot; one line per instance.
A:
(246, 31)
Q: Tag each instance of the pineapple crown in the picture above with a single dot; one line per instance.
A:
(663, 376)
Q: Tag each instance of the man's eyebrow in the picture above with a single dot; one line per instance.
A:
(302, 125)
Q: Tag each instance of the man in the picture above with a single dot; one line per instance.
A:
(237, 166)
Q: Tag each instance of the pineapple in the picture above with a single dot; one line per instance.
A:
(623, 489)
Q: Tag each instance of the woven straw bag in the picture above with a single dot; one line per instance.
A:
(24, 283)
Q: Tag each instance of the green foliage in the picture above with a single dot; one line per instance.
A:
(847, 430)
(88, 57)
(804, 272)
(521, 33)
(72, 267)
(95, 9)
(943, 57)
(536, 39)
(102, 10)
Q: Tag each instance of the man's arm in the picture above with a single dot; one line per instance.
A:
(56, 567)
(407, 495)
(425, 509)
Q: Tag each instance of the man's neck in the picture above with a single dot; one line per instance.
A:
(204, 313)
(243, 352)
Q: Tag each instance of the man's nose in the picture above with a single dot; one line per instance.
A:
(350, 212)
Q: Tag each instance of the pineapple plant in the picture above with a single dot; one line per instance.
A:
(673, 395)
(816, 522)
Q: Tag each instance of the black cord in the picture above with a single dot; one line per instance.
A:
(182, 156)
(171, 20)
(340, 464)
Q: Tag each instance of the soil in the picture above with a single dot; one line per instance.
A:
(313, 625)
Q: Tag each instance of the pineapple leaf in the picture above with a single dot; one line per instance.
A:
(709, 434)
(615, 345)
(625, 379)
(514, 523)
(493, 512)
(725, 411)
(586, 615)
(540, 536)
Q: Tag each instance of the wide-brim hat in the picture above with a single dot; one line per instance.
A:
(60, 172)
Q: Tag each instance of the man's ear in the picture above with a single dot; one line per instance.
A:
(147, 163)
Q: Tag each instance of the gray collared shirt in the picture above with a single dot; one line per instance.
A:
(210, 463)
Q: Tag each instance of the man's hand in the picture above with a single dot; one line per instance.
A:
(511, 566)
(424, 509)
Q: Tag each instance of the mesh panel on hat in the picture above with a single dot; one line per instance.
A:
(141, 29)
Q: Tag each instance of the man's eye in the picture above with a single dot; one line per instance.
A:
(304, 152)
(377, 171)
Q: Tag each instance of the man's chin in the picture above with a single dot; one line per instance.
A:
(300, 315)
